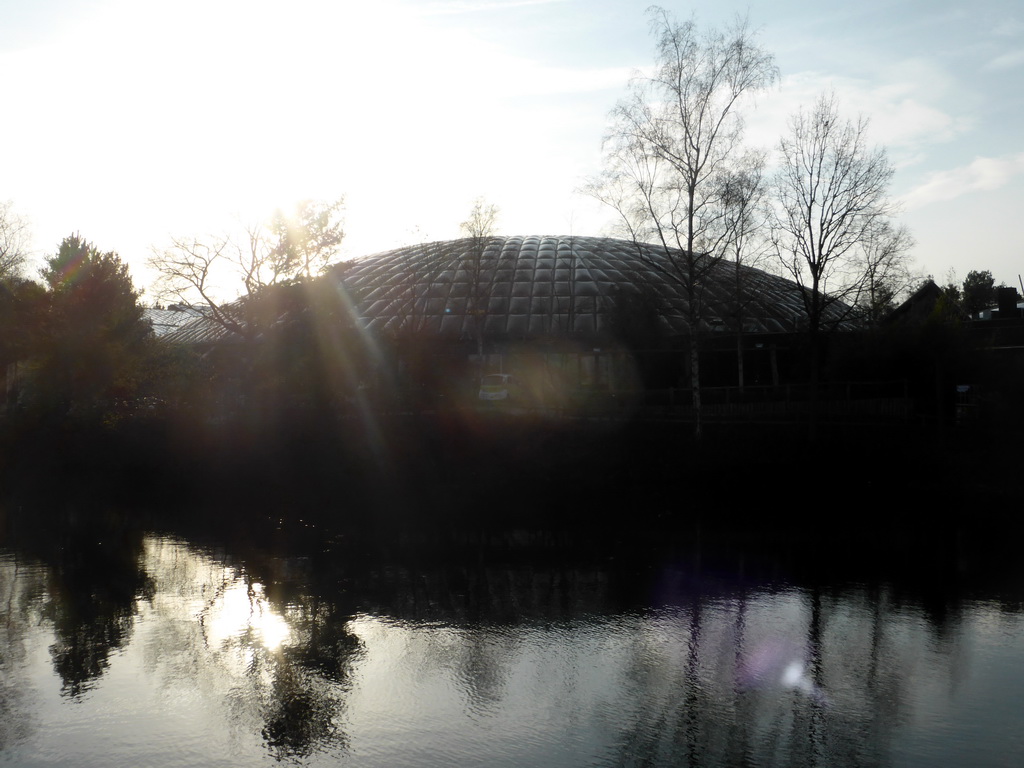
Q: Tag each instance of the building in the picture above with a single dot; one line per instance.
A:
(585, 303)
(590, 314)
(530, 287)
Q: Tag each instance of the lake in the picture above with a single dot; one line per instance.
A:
(139, 646)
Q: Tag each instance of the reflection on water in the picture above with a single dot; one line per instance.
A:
(161, 652)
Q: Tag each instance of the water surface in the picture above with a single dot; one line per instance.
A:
(154, 650)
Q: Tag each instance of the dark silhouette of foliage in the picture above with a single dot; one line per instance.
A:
(94, 333)
(23, 306)
(953, 295)
(979, 291)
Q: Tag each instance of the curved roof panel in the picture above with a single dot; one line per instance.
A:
(531, 286)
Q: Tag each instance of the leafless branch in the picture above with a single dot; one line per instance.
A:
(14, 242)
(671, 142)
(832, 203)
(288, 247)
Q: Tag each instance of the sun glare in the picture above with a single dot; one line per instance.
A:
(243, 610)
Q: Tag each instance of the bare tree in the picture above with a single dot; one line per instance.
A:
(479, 227)
(745, 216)
(199, 272)
(483, 217)
(831, 208)
(670, 142)
(194, 272)
(307, 239)
(14, 242)
(887, 274)
(831, 220)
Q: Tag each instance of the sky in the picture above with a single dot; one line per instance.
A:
(135, 122)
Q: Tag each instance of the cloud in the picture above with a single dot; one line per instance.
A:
(1008, 28)
(903, 122)
(1006, 61)
(981, 175)
(903, 105)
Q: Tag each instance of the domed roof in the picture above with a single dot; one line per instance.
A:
(533, 286)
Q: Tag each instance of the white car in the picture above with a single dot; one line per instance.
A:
(496, 386)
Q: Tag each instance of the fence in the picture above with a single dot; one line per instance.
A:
(791, 402)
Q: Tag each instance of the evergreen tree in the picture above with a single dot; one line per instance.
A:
(979, 291)
(23, 306)
(95, 333)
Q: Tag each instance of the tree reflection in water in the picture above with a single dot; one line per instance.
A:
(311, 681)
(779, 678)
(22, 590)
(286, 665)
(301, 659)
(203, 625)
(96, 580)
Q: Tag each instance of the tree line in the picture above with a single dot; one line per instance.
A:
(679, 175)
(79, 334)
(976, 293)
(75, 343)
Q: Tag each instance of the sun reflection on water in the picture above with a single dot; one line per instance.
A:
(243, 609)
